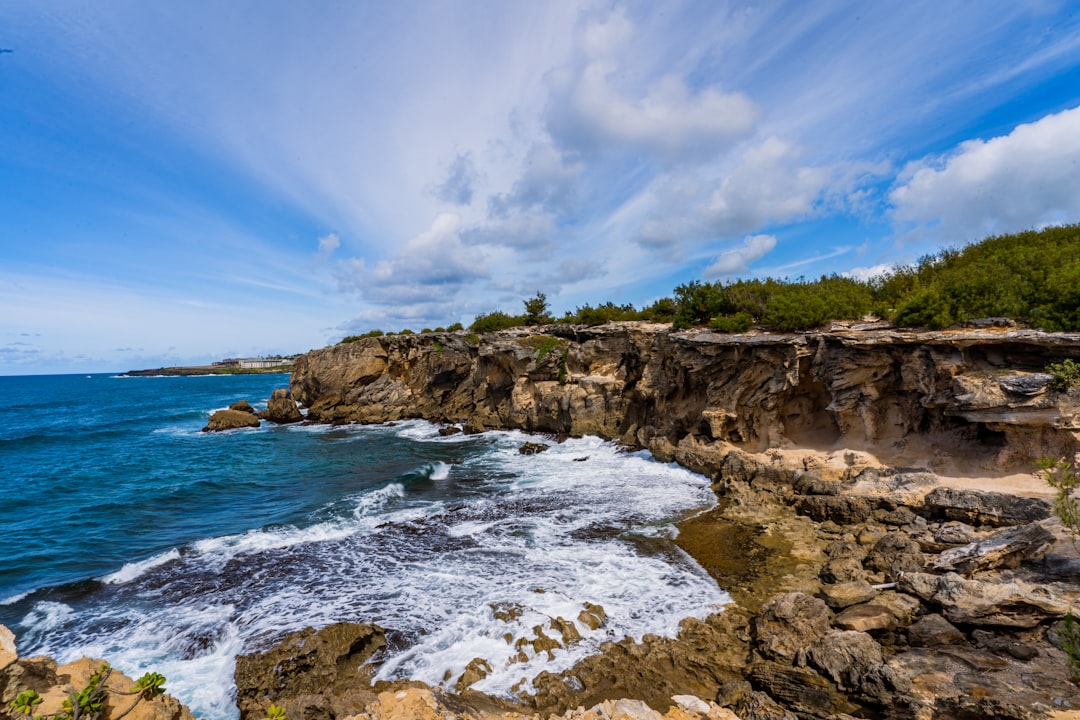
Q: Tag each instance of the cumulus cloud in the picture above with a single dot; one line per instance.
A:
(738, 260)
(530, 231)
(590, 111)
(1028, 178)
(327, 245)
(548, 181)
(864, 273)
(461, 177)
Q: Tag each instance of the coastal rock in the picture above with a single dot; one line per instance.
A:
(1027, 385)
(868, 618)
(976, 602)
(242, 406)
(854, 661)
(896, 553)
(281, 408)
(841, 509)
(749, 704)
(311, 673)
(788, 623)
(8, 653)
(933, 631)
(230, 420)
(475, 671)
(1005, 548)
(984, 508)
(798, 688)
(531, 448)
(846, 594)
(955, 532)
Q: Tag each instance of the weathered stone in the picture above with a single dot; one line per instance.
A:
(904, 608)
(962, 707)
(281, 408)
(841, 509)
(788, 623)
(868, 618)
(955, 532)
(1026, 385)
(566, 628)
(1006, 548)
(1003, 645)
(842, 571)
(230, 420)
(449, 430)
(846, 594)
(843, 549)
(896, 553)
(799, 688)
(854, 661)
(8, 653)
(311, 673)
(593, 616)
(897, 517)
(473, 427)
(475, 671)
(749, 704)
(531, 448)
(869, 535)
(976, 602)
(984, 508)
(242, 406)
(933, 631)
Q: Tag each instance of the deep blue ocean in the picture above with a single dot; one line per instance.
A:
(131, 535)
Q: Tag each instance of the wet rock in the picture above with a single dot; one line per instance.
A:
(868, 618)
(984, 508)
(281, 408)
(976, 602)
(449, 430)
(242, 406)
(846, 594)
(230, 420)
(473, 427)
(788, 623)
(933, 631)
(8, 653)
(475, 671)
(531, 448)
(310, 673)
(566, 628)
(854, 661)
(593, 616)
(896, 553)
(841, 509)
(1005, 548)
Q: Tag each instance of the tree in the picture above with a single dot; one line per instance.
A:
(536, 310)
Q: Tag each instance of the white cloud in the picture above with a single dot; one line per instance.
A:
(327, 245)
(461, 177)
(738, 260)
(1028, 178)
(864, 273)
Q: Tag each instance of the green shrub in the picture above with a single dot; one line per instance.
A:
(354, 338)
(497, 320)
(608, 312)
(455, 327)
(536, 310)
(661, 311)
(1066, 374)
(698, 303)
(738, 323)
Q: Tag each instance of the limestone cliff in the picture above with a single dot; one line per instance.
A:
(967, 401)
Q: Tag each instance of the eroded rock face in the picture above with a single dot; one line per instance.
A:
(789, 623)
(281, 408)
(985, 508)
(977, 602)
(311, 673)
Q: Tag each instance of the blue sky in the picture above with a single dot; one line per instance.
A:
(182, 182)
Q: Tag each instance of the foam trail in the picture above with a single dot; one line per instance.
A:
(132, 570)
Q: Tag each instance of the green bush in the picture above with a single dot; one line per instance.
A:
(354, 338)
(1066, 374)
(608, 312)
(497, 320)
(455, 327)
(738, 323)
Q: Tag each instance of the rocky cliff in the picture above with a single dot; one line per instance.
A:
(964, 402)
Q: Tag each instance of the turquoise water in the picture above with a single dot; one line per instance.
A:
(129, 534)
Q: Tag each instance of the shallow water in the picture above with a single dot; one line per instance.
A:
(138, 538)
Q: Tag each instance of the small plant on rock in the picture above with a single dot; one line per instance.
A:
(275, 713)
(1066, 374)
(1060, 475)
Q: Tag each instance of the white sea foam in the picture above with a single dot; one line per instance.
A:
(15, 598)
(440, 471)
(132, 570)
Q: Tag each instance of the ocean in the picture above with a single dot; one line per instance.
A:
(131, 535)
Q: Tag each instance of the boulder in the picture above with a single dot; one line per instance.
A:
(799, 688)
(903, 607)
(281, 408)
(531, 448)
(841, 509)
(854, 661)
(475, 671)
(449, 430)
(8, 653)
(933, 631)
(976, 602)
(868, 618)
(749, 704)
(842, 570)
(896, 553)
(962, 707)
(230, 420)
(955, 532)
(983, 508)
(788, 623)
(1005, 548)
(310, 673)
(846, 594)
(1026, 385)
(242, 406)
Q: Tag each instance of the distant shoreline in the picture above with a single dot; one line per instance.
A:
(206, 370)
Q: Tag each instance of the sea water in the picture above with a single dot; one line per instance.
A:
(130, 535)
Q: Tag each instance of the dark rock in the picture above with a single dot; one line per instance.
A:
(963, 707)
(1026, 385)
(984, 508)
(449, 430)
(841, 509)
(1001, 645)
(812, 484)
(242, 406)
(531, 448)
(473, 427)
(1005, 548)
(750, 704)
(230, 420)
(311, 674)
(955, 532)
(799, 688)
(844, 549)
(896, 553)
(854, 661)
(990, 322)
(788, 623)
(933, 631)
(898, 517)
(977, 602)
(281, 408)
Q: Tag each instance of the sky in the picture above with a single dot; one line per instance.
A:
(182, 182)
